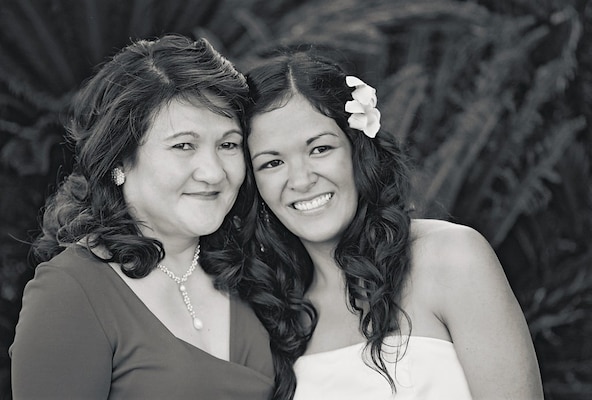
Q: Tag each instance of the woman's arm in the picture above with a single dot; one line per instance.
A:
(60, 350)
(483, 317)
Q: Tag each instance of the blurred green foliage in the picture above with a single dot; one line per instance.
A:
(493, 99)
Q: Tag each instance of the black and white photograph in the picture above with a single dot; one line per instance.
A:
(296, 199)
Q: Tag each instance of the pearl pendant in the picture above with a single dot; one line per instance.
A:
(197, 324)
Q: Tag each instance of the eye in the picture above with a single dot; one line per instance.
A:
(321, 149)
(231, 145)
(184, 146)
(271, 164)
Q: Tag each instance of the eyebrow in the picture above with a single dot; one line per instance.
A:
(183, 133)
(308, 142)
(266, 152)
(312, 139)
(196, 135)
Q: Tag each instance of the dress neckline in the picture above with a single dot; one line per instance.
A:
(162, 327)
(397, 338)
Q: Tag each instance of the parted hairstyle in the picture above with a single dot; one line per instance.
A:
(373, 252)
(109, 118)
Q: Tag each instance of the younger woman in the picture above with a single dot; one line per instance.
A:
(417, 308)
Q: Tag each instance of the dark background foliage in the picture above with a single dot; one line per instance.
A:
(492, 97)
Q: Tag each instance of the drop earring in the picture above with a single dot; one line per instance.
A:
(265, 213)
(265, 217)
(118, 176)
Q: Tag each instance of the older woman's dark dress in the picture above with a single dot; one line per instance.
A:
(83, 334)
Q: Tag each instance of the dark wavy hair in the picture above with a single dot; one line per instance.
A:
(374, 249)
(110, 116)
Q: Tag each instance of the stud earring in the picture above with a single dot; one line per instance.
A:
(118, 176)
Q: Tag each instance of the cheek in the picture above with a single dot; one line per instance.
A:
(345, 168)
(165, 181)
(265, 186)
(235, 171)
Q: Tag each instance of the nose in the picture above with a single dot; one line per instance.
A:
(209, 168)
(301, 177)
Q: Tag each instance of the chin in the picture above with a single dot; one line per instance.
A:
(317, 237)
(202, 228)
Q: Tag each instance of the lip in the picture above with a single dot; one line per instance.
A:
(206, 195)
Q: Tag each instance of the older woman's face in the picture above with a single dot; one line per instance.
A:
(187, 172)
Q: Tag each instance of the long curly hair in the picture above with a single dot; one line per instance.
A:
(110, 116)
(373, 252)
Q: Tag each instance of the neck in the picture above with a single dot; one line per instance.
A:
(327, 274)
(179, 254)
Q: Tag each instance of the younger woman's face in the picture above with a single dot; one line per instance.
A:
(303, 168)
(187, 172)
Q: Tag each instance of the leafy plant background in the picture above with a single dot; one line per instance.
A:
(492, 97)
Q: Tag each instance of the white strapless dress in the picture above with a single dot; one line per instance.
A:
(428, 369)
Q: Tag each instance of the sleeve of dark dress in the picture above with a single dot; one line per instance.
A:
(60, 350)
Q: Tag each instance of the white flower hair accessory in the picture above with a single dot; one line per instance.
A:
(364, 114)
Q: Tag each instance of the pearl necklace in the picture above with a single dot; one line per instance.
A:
(197, 323)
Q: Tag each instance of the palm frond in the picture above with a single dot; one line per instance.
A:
(530, 193)
(95, 23)
(48, 47)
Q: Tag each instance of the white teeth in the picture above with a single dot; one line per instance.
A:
(314, 203)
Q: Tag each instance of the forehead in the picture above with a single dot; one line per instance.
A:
(297, 120)
(180, 115)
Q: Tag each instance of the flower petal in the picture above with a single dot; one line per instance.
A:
(354, 106)
(373, 125)
(352, 81)
(358, 121)
(365, 95)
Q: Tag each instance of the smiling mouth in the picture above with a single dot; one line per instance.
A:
(313, 203)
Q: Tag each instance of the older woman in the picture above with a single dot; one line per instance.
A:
(135, 297)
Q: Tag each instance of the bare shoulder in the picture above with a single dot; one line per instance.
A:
(457, 277)
(446, 240)
(451, 252)
(458, 268)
